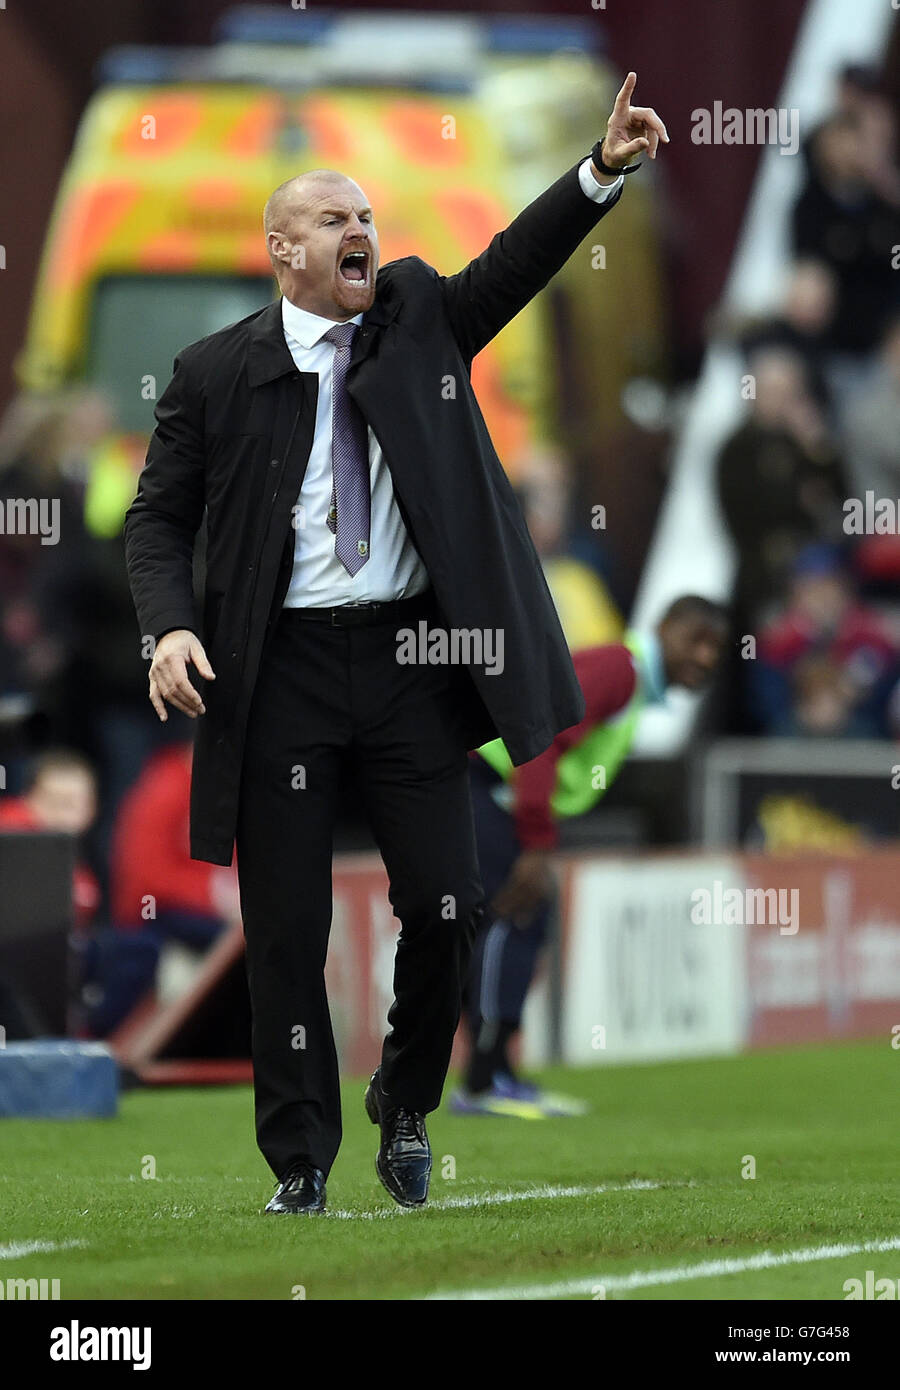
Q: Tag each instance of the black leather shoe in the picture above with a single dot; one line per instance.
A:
(403, 1162)
(301, 1191)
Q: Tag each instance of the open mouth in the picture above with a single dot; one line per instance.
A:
(355, 267)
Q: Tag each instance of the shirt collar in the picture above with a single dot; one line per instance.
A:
(651, 668)
(306, 328)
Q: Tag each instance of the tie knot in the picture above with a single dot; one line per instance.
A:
(341, 335)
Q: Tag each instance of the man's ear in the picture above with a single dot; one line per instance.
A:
(279, 246)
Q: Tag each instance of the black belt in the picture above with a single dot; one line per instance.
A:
(398, 610)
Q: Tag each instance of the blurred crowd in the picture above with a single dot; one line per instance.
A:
(81, 749)
(818, 581)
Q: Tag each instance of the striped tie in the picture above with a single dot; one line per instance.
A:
(348, 516)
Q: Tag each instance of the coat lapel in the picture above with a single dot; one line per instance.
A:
(269, 357)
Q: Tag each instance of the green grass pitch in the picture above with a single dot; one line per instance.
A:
(648, 1185)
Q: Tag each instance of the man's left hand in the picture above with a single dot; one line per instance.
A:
(631, 129)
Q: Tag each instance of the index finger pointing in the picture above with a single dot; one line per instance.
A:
(623, 100)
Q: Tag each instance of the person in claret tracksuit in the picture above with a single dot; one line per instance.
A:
(517, 811)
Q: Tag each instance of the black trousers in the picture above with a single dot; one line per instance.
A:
(329, 700)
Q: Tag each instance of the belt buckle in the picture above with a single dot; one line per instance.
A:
(368, 605)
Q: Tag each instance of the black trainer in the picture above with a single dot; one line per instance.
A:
(301, 1191)
(403, 1162)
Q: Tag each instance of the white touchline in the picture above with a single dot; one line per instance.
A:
(17, 1248)
(495, 1199)
(642, 1279)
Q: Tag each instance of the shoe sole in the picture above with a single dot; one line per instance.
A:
(286, 1211)
(372, 1112)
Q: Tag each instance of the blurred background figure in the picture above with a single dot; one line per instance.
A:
(66, 615)
(848, 209)
(803, 325)
(780, 479)
(60, 794)
(517, 813)
(36, 462)
(160, 894)
(573, 561)
(829, 663)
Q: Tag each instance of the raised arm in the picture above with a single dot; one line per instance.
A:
(487, 293)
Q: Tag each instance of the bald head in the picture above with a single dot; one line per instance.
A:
(292, 195)
(321, 239)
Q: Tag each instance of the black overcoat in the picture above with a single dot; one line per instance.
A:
(233, 435)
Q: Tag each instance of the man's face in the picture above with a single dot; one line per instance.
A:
(332, 250)
(692, 650)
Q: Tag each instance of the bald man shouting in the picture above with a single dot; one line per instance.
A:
(373, 609)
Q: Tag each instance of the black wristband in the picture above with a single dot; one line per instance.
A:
(597, 157)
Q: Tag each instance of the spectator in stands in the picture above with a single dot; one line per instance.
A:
(802, 325)
(32, 455)
(829, 664)
(848, 215)
(862, 95)
(159, 893)
(780, 481)
(60, 795)
(586, 610)
(859, 94)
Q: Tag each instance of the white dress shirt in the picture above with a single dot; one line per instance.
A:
(394, 568)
